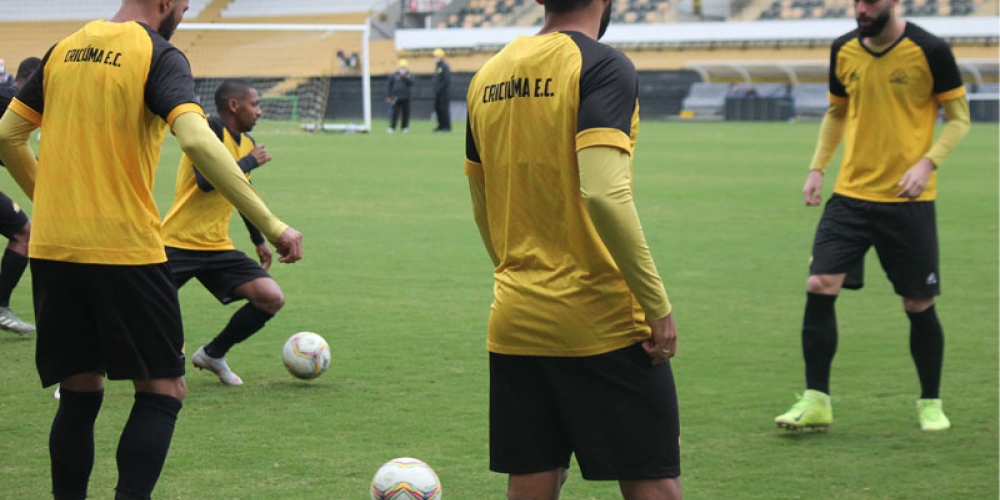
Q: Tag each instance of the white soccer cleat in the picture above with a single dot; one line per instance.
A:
(217, 366)
(10, 322)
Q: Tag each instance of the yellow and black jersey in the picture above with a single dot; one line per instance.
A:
(892, 99)
(105, 96)
(199, 217)
(532, 107)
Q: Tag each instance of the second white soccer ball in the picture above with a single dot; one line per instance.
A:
(306, 355)
(405, 479)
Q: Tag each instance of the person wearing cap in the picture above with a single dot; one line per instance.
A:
(399, 93)
(442, 87)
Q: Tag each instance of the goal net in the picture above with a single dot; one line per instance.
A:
(290, 65)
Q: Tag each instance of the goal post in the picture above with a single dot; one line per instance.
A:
(291, 65)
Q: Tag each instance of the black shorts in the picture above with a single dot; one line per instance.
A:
(12, 218)
(616, 412)
(220, 271)
(904, 236)
(123, 321)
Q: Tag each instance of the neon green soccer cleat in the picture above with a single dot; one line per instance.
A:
(811, 411)
(931, 416)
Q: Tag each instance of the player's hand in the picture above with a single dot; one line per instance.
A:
(265, 255)
(812, 192)
(662, 343)
(915, 179)
(260, 154)
(289, 245)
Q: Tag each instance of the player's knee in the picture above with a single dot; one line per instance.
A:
(917, 305)
(270, 302)
(174, 387)
(825, 284)
(19, 240)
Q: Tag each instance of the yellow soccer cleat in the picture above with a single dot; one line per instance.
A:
(931, 416)
(812, 411)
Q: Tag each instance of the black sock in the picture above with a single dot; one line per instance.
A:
(927, 349)
(246, 322)
(144, 443)
(12, 267)
(819, 340)
(71, 443)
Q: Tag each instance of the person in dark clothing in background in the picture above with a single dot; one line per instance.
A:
(399, 96)
(442, 87)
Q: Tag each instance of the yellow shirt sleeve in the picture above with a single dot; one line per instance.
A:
(477, 186)
(957, 124)
(831, 131)
(219, 168)
(15, 151)
(605, 183)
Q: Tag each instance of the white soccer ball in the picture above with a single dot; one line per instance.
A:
(306, 355)
(405, 479)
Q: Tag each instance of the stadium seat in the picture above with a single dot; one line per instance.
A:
(810, 99)
(706, 98)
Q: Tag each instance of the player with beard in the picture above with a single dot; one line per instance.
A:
(105, 302)
(581, 331)
(196, 233)
(887, 80)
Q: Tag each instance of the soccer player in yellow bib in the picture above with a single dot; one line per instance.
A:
(14, 223)
(888, 79)
(105, 302)
(196, 232)
(580, 331)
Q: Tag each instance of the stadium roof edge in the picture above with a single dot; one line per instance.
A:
(724, 32)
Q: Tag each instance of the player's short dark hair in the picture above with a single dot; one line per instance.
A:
(231, 88)
(27, 68)
(566, 5)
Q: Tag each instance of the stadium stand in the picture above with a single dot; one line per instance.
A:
(21, 10)
(491, 13)
(833, 9)
(271, 8)
(485, 13)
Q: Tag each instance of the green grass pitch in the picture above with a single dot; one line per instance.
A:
(396, 279)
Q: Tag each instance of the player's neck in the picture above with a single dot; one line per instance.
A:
(581, 21)
(232, 126)
(887, 37)
(138, 12)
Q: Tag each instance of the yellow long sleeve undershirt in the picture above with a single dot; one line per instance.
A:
(605, 183)
(957, 124)
(831, 131)
(16, 153)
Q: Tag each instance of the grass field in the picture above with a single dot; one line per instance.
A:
(396, 279)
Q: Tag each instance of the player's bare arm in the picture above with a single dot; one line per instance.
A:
(915, 179)
(260, 154)
(812, 192)
(264, 255)
(662, 343)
